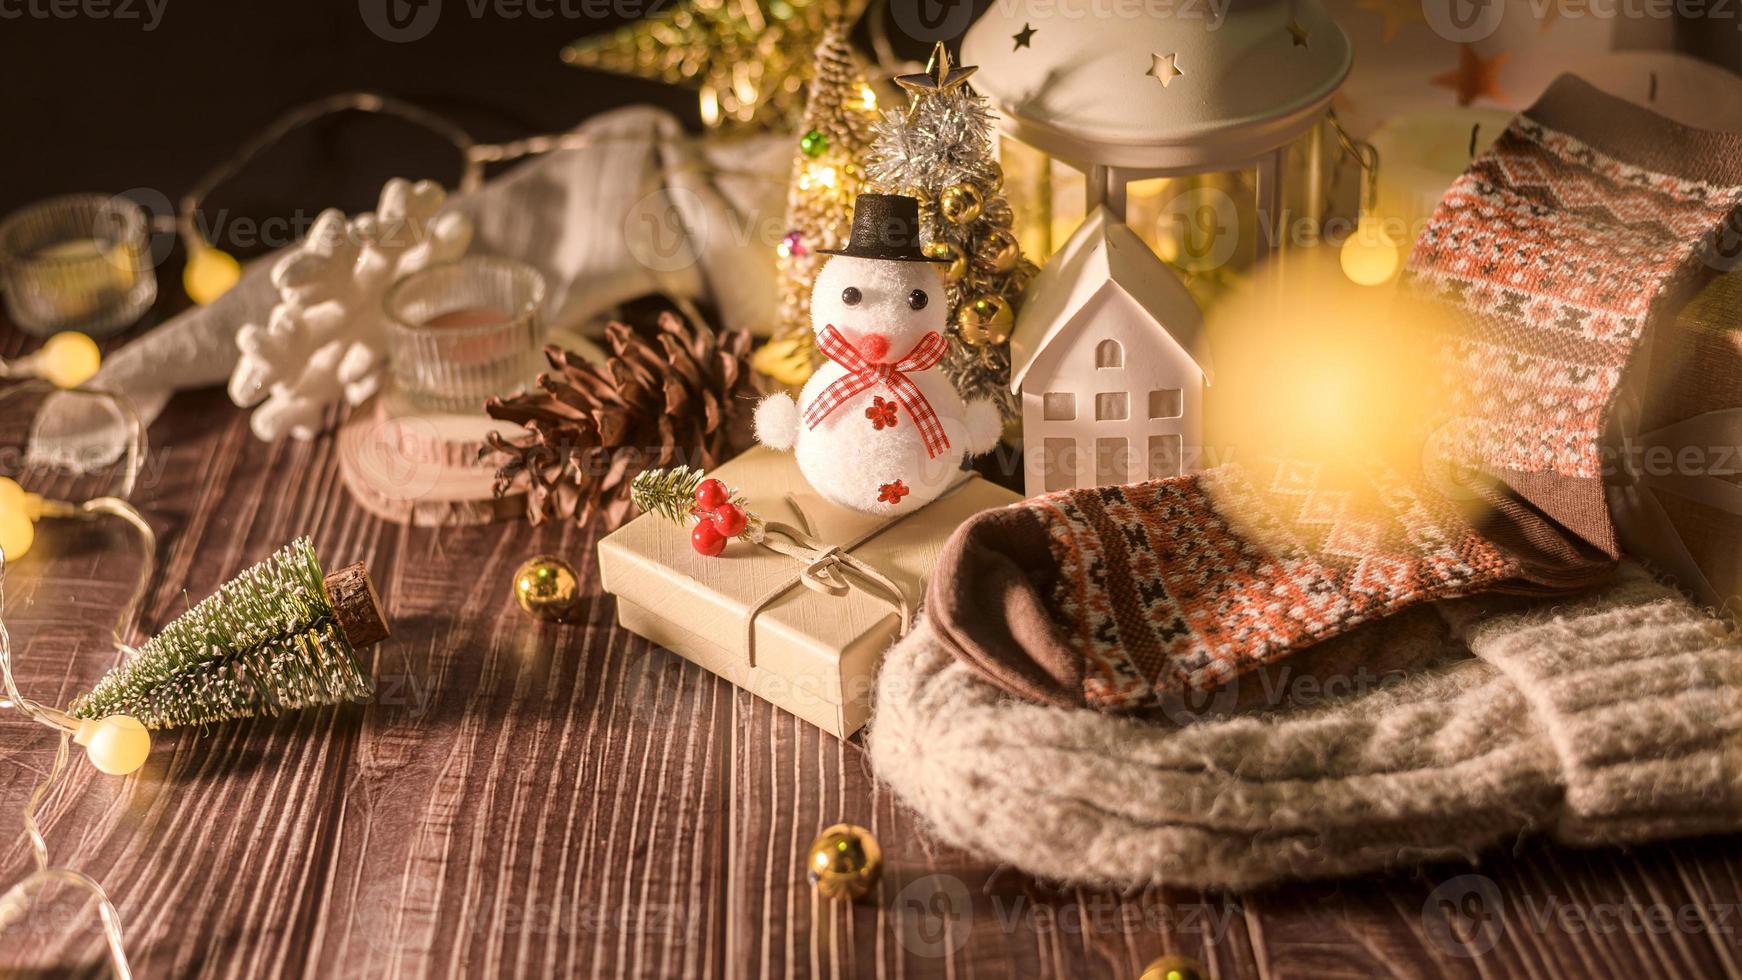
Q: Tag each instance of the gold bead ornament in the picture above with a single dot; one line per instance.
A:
(960, 203)
(944, 250)
(547, 588)
(844, 862)
(1000, 251)
(986, 321)
(1174, 967)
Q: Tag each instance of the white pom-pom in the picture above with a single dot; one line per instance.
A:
(985, 426)
(777, 422)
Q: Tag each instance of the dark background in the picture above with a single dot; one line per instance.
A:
(105, 105)
(92, 103)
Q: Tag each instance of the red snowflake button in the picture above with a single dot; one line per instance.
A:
(891, 493)
(881, 413)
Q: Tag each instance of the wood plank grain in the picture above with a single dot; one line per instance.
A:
(524, 799)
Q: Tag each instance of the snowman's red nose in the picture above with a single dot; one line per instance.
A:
(874, 347)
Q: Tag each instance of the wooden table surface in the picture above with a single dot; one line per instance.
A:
(536, 800)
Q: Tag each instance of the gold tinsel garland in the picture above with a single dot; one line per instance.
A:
(748, 59)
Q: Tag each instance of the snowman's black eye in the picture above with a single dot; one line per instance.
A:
(851, 296)
(917, 299)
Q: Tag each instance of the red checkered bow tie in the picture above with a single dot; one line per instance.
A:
(862, 374)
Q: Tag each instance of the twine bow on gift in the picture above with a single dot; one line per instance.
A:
(1698, 451)
(832, 569)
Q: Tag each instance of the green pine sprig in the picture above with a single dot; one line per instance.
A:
(266, 642)
(671, 493)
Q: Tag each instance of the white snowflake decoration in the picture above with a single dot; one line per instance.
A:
(326, 339)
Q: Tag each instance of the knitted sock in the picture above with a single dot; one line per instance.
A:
(1587, 219)
(1612, 717)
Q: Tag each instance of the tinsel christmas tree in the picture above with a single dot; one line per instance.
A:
(748, 58)
(278, 637)
(939, 150)
(827, 174)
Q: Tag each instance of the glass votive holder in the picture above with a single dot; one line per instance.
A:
(462, 331)
(80, 262)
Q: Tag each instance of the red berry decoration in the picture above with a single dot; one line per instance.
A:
(711, 494)
(707, 539)
(730, 520)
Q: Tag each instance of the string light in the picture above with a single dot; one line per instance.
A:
(1369, 257)
(209, 273)
(65, 360)
(117, 745)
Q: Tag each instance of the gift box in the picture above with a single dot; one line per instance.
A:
(802, 619)
(1675, 476)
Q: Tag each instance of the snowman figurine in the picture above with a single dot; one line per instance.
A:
(879, 427)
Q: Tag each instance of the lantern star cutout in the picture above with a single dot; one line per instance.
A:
(1298, 33)
(1023, 37)
(1163, 68)
(1475, 77)
(1396, 14)
(938, 76)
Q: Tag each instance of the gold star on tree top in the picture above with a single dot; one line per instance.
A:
(938, 76)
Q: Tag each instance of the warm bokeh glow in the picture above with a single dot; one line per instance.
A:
(1318, 369)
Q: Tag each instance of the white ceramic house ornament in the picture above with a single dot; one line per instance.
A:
(1134, 94)
(1110, 362)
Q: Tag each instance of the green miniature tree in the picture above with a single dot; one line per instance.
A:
(278, 637)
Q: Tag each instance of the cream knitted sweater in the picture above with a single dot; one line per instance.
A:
(1608, 718)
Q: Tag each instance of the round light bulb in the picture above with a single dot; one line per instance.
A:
(117, 745)
(209, 273)
(1369, 256)
(68, 359)
(12, 496)
(17, 533)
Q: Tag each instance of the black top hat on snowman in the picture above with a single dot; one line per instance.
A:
(885, 226)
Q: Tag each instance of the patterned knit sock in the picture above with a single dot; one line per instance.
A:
(1588, 219)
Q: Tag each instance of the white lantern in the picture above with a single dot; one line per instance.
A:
(1125, 91)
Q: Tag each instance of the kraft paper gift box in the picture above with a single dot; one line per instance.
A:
(749, 616)
(1675, 479)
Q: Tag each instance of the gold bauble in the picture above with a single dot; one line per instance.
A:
(999, 250)
(944, 250)
(960, 203)
(547, 588)
(844, 862)
(1174, 967)
(984, 321)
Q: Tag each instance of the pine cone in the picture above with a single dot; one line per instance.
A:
(681, 396)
